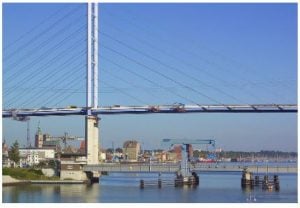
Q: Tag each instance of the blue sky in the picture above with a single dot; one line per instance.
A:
(231, 53)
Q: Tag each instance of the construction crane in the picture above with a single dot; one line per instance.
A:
(185, 176)
(65, 137)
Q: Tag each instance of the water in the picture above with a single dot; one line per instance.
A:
(122, 188)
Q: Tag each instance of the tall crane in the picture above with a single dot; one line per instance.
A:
(184, 172)
(65, 137)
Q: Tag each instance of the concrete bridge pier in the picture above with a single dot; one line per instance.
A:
(92, 146)
(93, 176)
(92, 139)
(72, 168)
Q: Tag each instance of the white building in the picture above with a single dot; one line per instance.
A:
(33, 156)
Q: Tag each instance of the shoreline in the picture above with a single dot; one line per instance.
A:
(9, 181)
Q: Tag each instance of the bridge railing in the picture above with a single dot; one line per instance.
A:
(140, 167)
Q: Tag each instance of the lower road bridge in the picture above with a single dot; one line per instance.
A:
(174, 167)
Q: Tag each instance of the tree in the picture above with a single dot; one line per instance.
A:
(196, 153)
(109, 150)
(42, 164)
(52, 163)
(119, 150)
(13, 153)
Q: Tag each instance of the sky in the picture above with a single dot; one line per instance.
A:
(148, 54)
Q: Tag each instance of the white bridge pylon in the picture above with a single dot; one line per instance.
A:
(91, 120)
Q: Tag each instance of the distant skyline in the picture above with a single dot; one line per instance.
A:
(230, 53)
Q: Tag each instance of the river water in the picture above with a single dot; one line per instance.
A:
(215, 187)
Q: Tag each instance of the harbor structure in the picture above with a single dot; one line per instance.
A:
(249, 181)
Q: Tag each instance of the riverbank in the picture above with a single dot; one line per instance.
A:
(10, 181)
(19, 176)
(27, 174)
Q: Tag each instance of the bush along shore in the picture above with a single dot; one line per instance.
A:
(27, 174)
(15, 176)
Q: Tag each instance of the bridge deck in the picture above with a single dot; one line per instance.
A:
(176, 108)
(156, 168)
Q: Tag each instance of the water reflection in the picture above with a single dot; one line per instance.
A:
(16, 193)
(52, 193)
(74, 193)
(115, 188)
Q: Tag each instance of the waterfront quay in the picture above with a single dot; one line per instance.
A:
(207, 167)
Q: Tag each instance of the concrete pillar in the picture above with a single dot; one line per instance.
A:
(72, 170)
(92, 139)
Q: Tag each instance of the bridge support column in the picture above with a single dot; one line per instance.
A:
(92, 139)
(93, 176)
(70, 169)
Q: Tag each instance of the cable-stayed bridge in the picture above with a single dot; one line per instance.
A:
(27, 78)
(74, 46)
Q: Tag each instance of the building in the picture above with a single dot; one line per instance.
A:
(54, 144)
(46, 137)
(172, 157)
(46, 141)
(177, 149)
(5, 159)
(39, 138)
(82, 148)
(102, 155)
(33, 156)
(131, 150)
